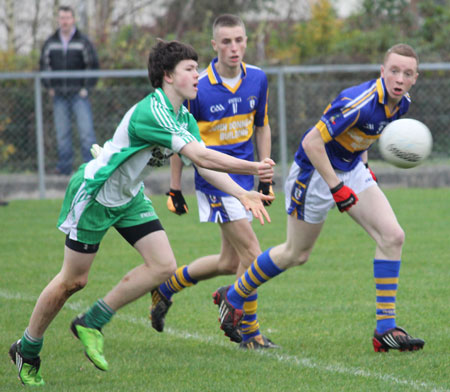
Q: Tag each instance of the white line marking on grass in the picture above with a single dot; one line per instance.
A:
(291, 359)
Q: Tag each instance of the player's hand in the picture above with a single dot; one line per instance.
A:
(253, 201)
(266, 189)
(371, 172)
(265, 170)
(344, 196)
(83, 93)
(176, 202)
(96, 150)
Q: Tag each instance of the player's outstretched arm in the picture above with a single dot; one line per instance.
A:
(214, 160)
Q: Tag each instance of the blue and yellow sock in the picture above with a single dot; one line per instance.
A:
(250, 324)
(98, 315)
(262, 270)
(30, 347)
(177, 282)
(386, 273)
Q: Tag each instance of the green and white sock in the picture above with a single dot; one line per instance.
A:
(30, 347)
(98, 315)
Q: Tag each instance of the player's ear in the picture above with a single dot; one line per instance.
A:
(214, 45)
(168, 77)
(382, 71)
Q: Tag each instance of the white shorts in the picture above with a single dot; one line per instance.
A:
(308, 196)
(220, 208)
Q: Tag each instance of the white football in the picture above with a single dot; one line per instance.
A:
(405, 143)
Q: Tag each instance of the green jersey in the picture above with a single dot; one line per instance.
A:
(148, 134)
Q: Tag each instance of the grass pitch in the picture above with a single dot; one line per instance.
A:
(322, 314)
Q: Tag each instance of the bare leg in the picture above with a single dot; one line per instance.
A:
(159, 265)
(374, 213)
(239, 246)
(72, 277)
(301, 237)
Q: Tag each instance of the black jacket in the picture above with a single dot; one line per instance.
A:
(80, 55)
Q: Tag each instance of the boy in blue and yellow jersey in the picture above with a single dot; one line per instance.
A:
(109, 192)
(330, 168)
(230, 108)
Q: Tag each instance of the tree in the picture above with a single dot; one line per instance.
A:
(184, 16)
(9, 22)
(35, 23)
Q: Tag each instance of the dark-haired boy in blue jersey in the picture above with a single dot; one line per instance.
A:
(331, 168)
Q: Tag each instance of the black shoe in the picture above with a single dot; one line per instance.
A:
(29, 369)
(160, 307)
(396, 339)
(257, 343)
(229, 317)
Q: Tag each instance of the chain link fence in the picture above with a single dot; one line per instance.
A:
(297, 98)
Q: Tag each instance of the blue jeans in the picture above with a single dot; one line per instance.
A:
(65, 107)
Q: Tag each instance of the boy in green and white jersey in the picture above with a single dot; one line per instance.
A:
(108, 191)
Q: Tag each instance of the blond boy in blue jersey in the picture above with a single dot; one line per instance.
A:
(231, 108)
(330, 168)
(109, 192)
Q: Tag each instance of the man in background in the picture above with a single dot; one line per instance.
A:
(68, 50)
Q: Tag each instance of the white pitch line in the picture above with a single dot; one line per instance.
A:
(291, 359)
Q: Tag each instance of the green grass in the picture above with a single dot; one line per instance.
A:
(322, 314)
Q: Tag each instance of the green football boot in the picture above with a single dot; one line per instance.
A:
(29, 369)
(92, 339)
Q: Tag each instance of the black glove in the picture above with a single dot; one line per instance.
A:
(176, 202)
(266, 189)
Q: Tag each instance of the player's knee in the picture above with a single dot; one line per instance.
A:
(394, 238)
(250, 254)
(293, 259)
(301, 258)
(227, 267)
(167, 270)
(73, 286)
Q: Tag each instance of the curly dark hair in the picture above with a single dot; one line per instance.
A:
(164, 57)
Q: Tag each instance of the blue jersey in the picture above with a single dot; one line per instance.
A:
(226, 117)
(353, 122)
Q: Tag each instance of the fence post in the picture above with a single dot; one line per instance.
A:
(39, 134)
(282, 124)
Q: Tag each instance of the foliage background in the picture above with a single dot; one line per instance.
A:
(280, 32)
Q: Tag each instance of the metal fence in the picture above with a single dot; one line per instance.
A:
(298, 95)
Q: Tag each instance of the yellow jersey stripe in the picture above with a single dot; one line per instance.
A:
(369, 93)
(323, 131)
